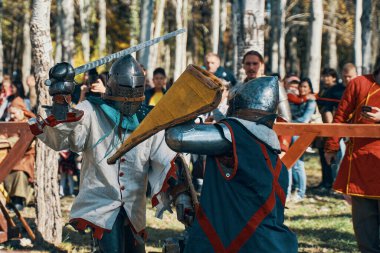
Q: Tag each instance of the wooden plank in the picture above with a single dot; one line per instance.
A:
(298, 148)
(329, 130)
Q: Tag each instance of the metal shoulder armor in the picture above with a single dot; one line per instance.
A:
(203, 139)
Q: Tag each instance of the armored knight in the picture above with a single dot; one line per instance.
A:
(243, 196)
(112, 198)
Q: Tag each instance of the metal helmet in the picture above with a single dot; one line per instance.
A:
(256, 100)
(125, 85)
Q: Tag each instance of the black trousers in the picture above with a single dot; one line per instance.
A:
(121, 238)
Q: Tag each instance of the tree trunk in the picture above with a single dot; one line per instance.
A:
(358, 37)
(375, 34)
(48, 211)
(215, 25)
(293, 59)
(314, 66)
(1, 42)
(102, 29)
(27, 52)
(222, 50)
(184, 35)
(153, 59)
(180, 42)
(281, 40)
(235, 30)
(331, 36)
(366, 35)
(145, 21)
(134, 23)
(84, 13)
(58, 31)
(68, 30)
(251, 30)
(274, 33)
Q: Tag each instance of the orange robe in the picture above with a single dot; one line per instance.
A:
(359, 173)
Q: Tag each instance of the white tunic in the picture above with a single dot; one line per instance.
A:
(103, 187)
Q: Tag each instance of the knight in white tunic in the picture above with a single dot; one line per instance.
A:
(111, 196)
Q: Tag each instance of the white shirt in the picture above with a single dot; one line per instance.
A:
(103, 187)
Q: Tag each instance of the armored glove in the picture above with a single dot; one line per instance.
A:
(184, 208)
(61, 85)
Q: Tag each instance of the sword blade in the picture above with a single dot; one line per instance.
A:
(109, 58)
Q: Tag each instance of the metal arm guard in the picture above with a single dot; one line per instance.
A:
(199, 138)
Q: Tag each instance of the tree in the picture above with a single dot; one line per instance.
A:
(331, 35)
(58, 35)
(250, 29)
(27, 52)
(215, 25)
(48, 210)
(134, 22)
(145, 21)
(180, 45)
(358, 38)
(366, 36)
(1, 42)
(152, 64)
(278, 16)
(84, 12)
(102, 29)
(315, 39)
(68, 30)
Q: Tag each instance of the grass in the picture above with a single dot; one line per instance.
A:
(322, 223)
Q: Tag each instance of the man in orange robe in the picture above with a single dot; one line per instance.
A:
(359, 174)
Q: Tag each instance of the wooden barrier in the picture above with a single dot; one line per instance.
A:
(308, 132)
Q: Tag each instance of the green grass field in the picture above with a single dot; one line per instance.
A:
(322, 223)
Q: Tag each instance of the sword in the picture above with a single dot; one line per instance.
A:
(109, 58)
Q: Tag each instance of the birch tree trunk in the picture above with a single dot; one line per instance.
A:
(48, 211)
(180, 43)
(102, 29)
(358, 37)
(58, 35)
(281, 40)
(145, 21)
(1, 42)
(68, 30)
(185, 16)
(84, 13)
(215, 25)
(153, 59)
(274, 33)
(27, 49)
(135, 23)
(315, 38)
(251, 30)
(366, 36)
(331, 36)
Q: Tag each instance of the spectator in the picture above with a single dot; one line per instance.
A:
(212, 63)
(93, 86)
(301, 113)
(329, 79)
(153, 95)
(19, 182)
(358, 175)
